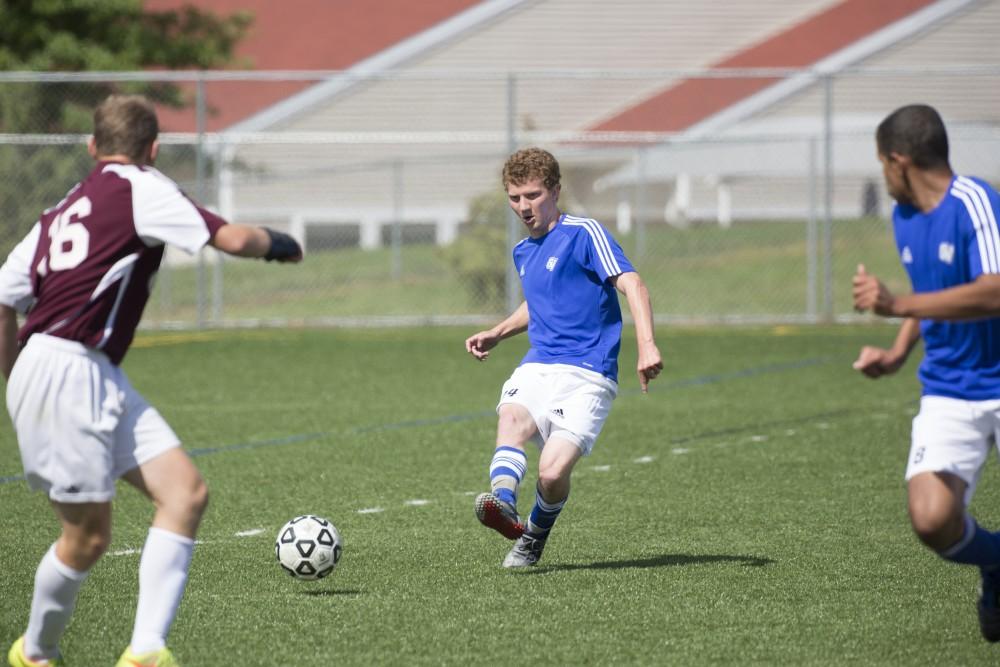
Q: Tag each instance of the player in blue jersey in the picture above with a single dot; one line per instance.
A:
(948, 240)
(561, 393)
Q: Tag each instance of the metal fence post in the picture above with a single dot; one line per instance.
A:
(199, 178)
(512, 281)
(812, 260)
(640, 203)
(828, 185)
(397, 220)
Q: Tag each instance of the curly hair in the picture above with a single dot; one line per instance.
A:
(530, 163)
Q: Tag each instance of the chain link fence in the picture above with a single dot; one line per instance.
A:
(757, 211)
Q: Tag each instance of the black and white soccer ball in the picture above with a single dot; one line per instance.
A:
(308, 547)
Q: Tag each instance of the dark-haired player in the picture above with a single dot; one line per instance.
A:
(949, 243)
(83, 277)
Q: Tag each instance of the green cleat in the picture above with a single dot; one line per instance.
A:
(161, 658)
(17, 658)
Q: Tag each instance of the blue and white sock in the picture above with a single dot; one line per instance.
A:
(543, 516)
(506, 472)
(976, 547)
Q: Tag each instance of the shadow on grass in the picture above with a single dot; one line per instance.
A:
(326, 592)
(666, 560)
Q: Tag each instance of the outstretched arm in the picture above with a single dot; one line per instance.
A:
(650, 364)
(249, 241)
(480, 344)
(8, 339)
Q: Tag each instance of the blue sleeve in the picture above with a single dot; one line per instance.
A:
(979, 212)
(598, 251)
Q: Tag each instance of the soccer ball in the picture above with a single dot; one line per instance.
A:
(308, 547)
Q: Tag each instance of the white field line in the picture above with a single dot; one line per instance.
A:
(421, 502)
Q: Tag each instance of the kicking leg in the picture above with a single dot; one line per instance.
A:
(498, 509)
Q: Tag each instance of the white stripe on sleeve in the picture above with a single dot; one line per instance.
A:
(980, 212)
(983, 199)
(601, 244)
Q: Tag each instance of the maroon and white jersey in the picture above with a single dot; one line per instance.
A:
(85, 270)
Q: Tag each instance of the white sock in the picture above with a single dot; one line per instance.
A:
(163, 571)
(52, 603)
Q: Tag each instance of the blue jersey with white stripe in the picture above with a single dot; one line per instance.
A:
(950, 246)
(574, 316)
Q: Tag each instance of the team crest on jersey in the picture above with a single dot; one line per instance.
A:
(946, 253)
(907, 255)
(551, 264)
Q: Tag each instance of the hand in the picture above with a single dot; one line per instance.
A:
(875, 362)
(480, 344)
(871, 294)
(650, 365)
(284, 248)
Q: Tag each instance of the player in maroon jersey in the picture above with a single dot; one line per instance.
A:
(83, 276)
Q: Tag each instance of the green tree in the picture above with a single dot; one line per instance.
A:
(80, 36)
(479, 257)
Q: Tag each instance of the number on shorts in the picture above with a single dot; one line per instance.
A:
(70, 239)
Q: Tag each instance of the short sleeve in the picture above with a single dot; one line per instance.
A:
(598, 250)
(164, 214)
(15, 274)
(981, 233)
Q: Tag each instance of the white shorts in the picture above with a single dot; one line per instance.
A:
(565, 401)
(953, 436)
(80, 424)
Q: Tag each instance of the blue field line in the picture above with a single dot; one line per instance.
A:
(452, 419)
(734, 375)
(273, 442)
(432, 421)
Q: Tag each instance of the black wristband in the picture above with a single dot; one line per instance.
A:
(283, 246)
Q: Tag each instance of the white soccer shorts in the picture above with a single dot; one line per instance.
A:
(953, 436)
(565, 401)
(80, 424)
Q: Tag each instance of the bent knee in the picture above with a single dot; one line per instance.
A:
(938, 528)
(82, 550)
(189, 503)
(197, 500)
(554, 483)
(515, 424)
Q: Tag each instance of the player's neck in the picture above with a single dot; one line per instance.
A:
(930, 188)
(120, 159)
(547, 227)
(555, 220)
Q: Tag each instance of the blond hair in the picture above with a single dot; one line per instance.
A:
(125, 125)
(531, 163)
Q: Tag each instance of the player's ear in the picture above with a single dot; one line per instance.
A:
(154, 149)
(92, 147)
(555, 192)
(900, 159)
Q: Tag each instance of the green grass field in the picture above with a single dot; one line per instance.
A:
(748, 510)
